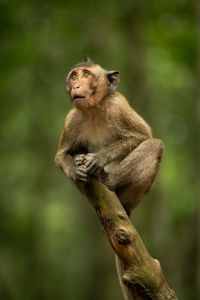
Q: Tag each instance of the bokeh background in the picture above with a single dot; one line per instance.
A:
(51, 242)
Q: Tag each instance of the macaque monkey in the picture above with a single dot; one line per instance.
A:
(103, 137)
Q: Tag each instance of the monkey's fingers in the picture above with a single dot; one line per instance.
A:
(82, 169)
(90, 155)
(90, 158)
(81, 176)
(79, 159)
(79, 162)
(92, 167)
(83, 179)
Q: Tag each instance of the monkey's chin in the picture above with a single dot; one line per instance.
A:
(80, 103)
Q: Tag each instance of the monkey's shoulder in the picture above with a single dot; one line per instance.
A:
(73, 116)
(124, 117)
(118, 109)
(116, 99)
(116, 105)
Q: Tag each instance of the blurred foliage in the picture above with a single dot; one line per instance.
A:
(52, 246)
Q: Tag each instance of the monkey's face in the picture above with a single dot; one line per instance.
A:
(82, 87)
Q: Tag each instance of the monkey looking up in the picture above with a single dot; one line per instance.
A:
(103, 137)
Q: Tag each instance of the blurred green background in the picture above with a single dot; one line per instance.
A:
(51, 242)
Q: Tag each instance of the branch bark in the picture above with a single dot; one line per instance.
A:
(140, 275)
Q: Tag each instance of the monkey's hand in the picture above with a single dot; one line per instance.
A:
(79, 159)
(92, 162)
(80, 173)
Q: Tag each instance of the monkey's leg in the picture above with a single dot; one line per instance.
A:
(134, 176)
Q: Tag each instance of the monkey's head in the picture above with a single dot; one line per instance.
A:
(88, 83)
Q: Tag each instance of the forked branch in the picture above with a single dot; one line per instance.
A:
(141, 276)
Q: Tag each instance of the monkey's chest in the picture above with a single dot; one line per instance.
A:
(96, 137)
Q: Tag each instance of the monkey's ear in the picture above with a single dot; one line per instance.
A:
(112, 80)
(87, 59)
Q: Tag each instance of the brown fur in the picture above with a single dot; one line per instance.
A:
(124, 156)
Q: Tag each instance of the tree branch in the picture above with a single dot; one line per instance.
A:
(140, 275)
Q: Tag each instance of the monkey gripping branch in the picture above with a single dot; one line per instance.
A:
(106, 139)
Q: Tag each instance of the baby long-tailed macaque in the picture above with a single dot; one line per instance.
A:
(105, 138)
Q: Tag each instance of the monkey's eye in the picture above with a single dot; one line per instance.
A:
(74, 75)
(86, 73)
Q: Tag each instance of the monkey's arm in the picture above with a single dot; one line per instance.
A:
(66, 163)
(65, 157)
(116, 151)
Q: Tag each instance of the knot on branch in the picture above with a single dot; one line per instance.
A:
(122, 237)
(133, 282)
(130, 278)
(126, 279)
(122, 216)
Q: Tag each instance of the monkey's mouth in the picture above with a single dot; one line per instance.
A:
(75, 97)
